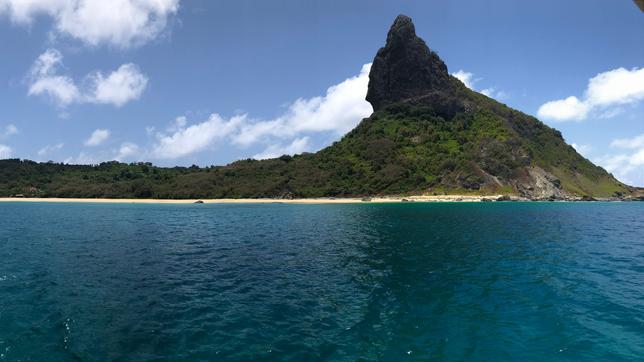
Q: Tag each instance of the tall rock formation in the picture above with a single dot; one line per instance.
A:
(405, 68)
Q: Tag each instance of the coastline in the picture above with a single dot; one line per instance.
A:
(329, 200)
(318, 200)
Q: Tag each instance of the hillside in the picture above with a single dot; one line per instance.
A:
(429, 134)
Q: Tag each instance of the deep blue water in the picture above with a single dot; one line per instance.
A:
(369, 282)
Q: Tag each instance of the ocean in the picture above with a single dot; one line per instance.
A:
(362, 282)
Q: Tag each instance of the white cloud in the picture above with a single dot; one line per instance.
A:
(5, 152)
(603, 96)
(121, 86)
(618, 86)
(98, 137)
(468, 79)
(46, 81)
(337, 112)
(126, 151)
(49, 149)
(194, 138)
(9, 131)
(298, 145)
(60, 89)
(629, 143)
(569, 109)
(121, 23)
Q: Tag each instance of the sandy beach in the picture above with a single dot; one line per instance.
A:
(389, 199)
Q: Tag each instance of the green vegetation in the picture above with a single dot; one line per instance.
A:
(403, 149)
(429, 135)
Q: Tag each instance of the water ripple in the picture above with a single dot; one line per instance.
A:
(533, 281)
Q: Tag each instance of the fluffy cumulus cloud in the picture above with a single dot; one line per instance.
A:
(5, 152)
(468, 79)
(341, 108)
(97, 137)
(569, 109)
(186, 140)
(117, 88)
(605, 93)
(44, 79)
(121, 23)
(337, 112)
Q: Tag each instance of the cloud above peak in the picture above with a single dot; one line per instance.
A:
(605, 93)
(120, 23)
(117, 88)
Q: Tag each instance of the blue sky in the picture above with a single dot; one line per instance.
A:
(207, 82)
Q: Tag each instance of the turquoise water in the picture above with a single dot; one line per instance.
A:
(492, 281)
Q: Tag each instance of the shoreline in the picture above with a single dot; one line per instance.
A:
(321, 200)
(306, 201)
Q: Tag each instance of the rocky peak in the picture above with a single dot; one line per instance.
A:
(405, 67)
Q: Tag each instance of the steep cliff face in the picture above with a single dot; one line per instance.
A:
(405, 68)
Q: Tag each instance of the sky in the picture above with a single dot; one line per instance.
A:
(208, 82)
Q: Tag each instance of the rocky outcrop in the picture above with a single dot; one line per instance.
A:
(541, 185)
(406, 69)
